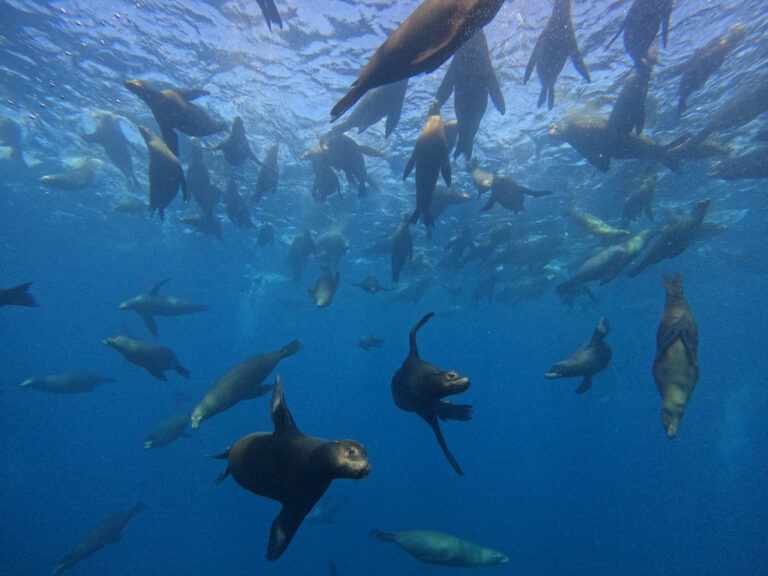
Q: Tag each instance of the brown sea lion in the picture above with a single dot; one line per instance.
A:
(67, 382)
(676, 366)
(640, 200)
(242, 382)
(235, 147)
(291, 468)
(167, 431)
(151, 304)
(442, 549)
(510, 194)
(130, 205)
(370, 341)
(641, 26)
(443, 197)
(17, 296)
(165, 174)
(116, 146)
(331, 246)
(78, 176)
(587, 361)
(342, 152)
(153, 358)
(628, 113)
(419, 386)
(268, 173)
(325, 288)
(594, 226)
(401, 247)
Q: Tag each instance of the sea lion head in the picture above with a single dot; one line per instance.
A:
(491, 557)
(672, 409)
(347, 459)
(559, 370)
(447, 382)
(138, 87)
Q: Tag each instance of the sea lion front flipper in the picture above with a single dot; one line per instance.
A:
(446, 410)
(577, 59)
(489, 204)
(431, 419)
(585, 385)
(414, 349)
(368, 151)
(529, 67)
(184, 190)
(149, 320)
(156, 288)
(170, 138)
(284, 528)
(684, 330)
(284, 426)
(159, 374)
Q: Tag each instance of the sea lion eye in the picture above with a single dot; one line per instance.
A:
(351, 452)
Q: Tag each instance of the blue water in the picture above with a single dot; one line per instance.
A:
(561, 483)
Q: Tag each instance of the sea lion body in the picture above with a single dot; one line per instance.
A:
(331, 247)
(235, 147)
(628, 113)
(291, 468)
(753, 164)
(198, 180)
(298, 253)
(237, 208)
(78, 177)
(587, 361)
(268, 174)
(17, 296)
(641, 26)
(384, 101)
(676, 365)
(165, 174)
(111, 138)
(67, 382)
(510, 194)
(326, 183)
(242, 382)
(167, 431)
(130, 205)
(150, 304)
(153, 358)
(343, 153)
(325, 288)
(401, 247)
(442, 549)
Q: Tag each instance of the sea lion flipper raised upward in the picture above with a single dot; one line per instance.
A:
(413, 350)
(156, 288)
(431, 419)
(281, 416)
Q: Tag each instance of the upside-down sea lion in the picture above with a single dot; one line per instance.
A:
(235, 146)
(325, 288)
(268, 173)
(165, 174)
(587, 361)
(242, 382)
(167, 431)
(425, 39)
(291, 468)
(594, 226)
(198, 180)
(419, 386)
(401, 247)
(110, 137)
(641, 25)
(151, 304)
(384, 101)
(17, 296)
(153, 358)
(67, 382)
(676, 365)
(441, 548)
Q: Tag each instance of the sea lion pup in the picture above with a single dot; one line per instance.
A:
(153, 358)
(130, 205)
(431, 157)
(106, 532)
(266, 235)
(203, 222)
(556, 43)
(587, 361)
(401, 247)
(371, 285)
(676, 365)
(705, 61)
(271, 15)
(641, 26)
(628, 113)
(237, 207)
(325, 288)
(441, 548)
(291, 468)
(472, 76)
(510, 194)
(242, 382)
(369, 341)
(78, 176)
(753, 164)
(419, 386)
(67, 382)
(10, 135)
(167, 431)
(198, 180)
(299, 251)
(640, 200)
(384, 101)
(111, 138)
(17, 296)
(151, 304)
(267, 180)
(235, 146)
(425, 39)
(165, 174)
(594, 226)
(174, 110)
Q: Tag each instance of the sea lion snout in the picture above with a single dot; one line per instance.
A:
(453, 381)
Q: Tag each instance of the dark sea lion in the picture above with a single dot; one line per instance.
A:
(237, 207)
(242, 382)
(510, 194)
(106, 532)
(325, 288)
(198, 180)
(151, 304)
(419, 386)
(442, 549)
(267, 180)
(370, 284)
(326, 183)
(167, 431)
(11, 136)
(705, 61)
(688, 150)
(175, 110)
(431, 157)
(110, 137)
(266, 235)
(67, 382)
(235, 147)
(640, 200)
(203, 222)
(472, 76)
(443, 197)
(17, 296)
(343, 153)
(153, 358)
(130, 205)
(676, 365)
(299, 251)
(556, 43)
(587, 361)
(165, 174)
(77, 177)
(753, 164)
(641, 26)
(369, 341)
(291, 468)
(628, 113)
(384, 101)
(401, 247)
(271, 15)
(425, 39)
(331, 246)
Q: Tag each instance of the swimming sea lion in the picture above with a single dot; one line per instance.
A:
(641, 26)
(291, 468)
(343, 153)
(753, 164)
(267, 180)
(165, 174)
(198, 180)
(175, 110)
(587, 361)
(17, 296)
(441, 548)
(384, 101)
(325, 288)
(235, 147)
(110, 137)
(628, 113)
(370, 341)
(77, 177)
(510, 194)
(299, 251)
(556, 43)
(425, 39)
(370, 284)
(471, 75)
(331, 247)
(401, 247)
(106, 532)
(242, 382)
(266, 235)
(130, 205)
(237, 208)
(67, 382)
(153, 358)
(167, 431)
(443, 197)
(151, 304)
(676, 365)
(419, 386)
(203, 222)
(640, 200)
(271, 15)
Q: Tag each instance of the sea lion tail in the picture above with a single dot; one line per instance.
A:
(384, 536)
(291, 348)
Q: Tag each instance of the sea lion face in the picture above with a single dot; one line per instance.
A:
(671, 414)
(138, 87)
(349, 459)
(448, 382)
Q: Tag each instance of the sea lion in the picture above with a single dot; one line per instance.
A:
(79, 176)
(369, 341)
(267, 180)
(676, 365)
(753, 164)
(425, 39)
(594, 226)
(442, 549)
(198, 180)
(705, 61)
(472, 76)
(326, 183)
(203, 222)
(510, 194)
(291, 468)
(401, 247)
(151, 304)
(641, 25)
(299, 251)
(165, 174)
(370, 284)
(130, 205)
(587, 361)
(443, 197)
(628, 113)
(237, 207)
(17, 296)
(384, 101)
(325, 288)
(167, 431)
(67, 382)
(640, 200)
(343, 153)
(419, 386)
(271, 15)
(242, 382)
(106, 532)
(556, 43)
(153, 358)
(11, 136)
(111, 138)
(331, 247)
(431, 157)
(235, 146)
(266, 235)
(175, 110)
(457, 248)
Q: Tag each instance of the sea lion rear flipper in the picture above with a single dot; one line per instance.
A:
(19, 295)
(368, 151)
(578, 61)
(414, 349)
(284, 528)
(542, 96)
(170, 138)
(284, 425)
(585, 385)
(431, 419)
(536, 193)
(151, 324)
(446, 410)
